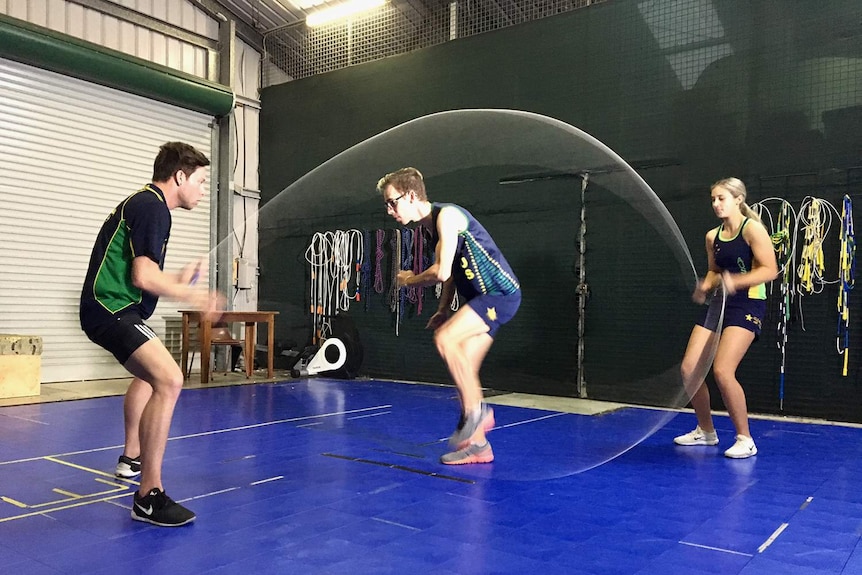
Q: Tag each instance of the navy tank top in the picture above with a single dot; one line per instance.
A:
(735, 255)
(479, 267)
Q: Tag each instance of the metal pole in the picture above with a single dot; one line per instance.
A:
(583, 288)
(224, 166)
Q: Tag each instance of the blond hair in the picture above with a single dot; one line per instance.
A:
(737, 189)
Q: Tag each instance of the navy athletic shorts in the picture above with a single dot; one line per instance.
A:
(496, 310)
(746, 313)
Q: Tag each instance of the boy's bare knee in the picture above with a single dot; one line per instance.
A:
(169, 381)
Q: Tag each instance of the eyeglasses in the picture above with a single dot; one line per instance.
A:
(392, 203)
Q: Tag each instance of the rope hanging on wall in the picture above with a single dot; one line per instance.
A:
(357, 253)
(406, 294)
(395, 293)
(846, 273)
(364, 286)
(334, 258)
(380, 236)
(346, 254)
(407, 251)
(782, 230)
(815, 220)
(318, 287)
(454, 304)
(413, 261)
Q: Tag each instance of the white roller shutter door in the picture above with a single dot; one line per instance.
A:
(70, 151)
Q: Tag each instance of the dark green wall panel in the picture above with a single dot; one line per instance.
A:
(769, 92)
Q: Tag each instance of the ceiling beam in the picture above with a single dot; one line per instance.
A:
(244, 30)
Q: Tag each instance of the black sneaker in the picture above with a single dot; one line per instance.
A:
(128, 467)
(157, 508)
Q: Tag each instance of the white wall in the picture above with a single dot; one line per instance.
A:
(68, 17)
(87, 24)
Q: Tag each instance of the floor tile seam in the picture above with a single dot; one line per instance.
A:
(764, 417)
(819, 562)
(64, 394)
(618, 405)
(773, 536)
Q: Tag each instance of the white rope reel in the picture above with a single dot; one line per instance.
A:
(330, 357)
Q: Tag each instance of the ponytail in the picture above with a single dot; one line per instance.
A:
(748, 212)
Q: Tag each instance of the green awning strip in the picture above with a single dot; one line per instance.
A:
(43, 48)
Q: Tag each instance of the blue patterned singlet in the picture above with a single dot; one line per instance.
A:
(478, 268)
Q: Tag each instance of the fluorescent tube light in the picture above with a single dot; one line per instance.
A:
(340, 11)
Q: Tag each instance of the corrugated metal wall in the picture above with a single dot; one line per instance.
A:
(69, 17)
(60, 177)
(39, 275)
(93, 26)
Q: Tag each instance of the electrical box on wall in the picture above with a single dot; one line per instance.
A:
(245, 272)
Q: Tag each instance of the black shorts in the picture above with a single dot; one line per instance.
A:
(122, 336)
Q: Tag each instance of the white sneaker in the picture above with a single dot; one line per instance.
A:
(744, 447)
(697, 437)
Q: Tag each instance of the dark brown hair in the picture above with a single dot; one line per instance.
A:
(175, 156)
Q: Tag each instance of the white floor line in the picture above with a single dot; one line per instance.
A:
(25, 419)
(763, 417)
(531, 420)
(119, 504)
(369, 415)
(732, 552)
(772, 537)
(46, 512)
(396, 524)
(385, 488)
(205, 433)
(276, 478)
(516, 423)
(68, 453)
(790, 432)
(277, 422)
(219, 492)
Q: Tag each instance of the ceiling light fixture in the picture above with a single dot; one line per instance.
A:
(340, 11)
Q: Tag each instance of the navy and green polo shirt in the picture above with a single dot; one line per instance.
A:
(139, 226)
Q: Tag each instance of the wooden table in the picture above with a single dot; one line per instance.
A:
(250, 318)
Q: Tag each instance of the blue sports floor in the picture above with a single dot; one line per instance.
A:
(324, 476)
